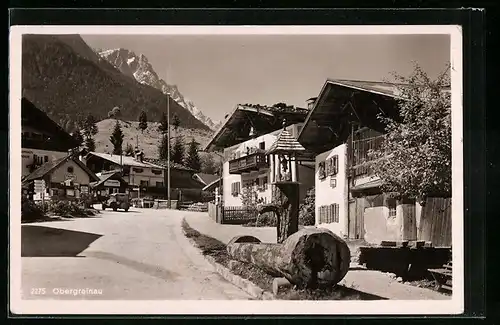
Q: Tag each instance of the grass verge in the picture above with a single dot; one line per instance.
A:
(210, 246)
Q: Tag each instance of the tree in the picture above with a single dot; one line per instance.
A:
(163, 127)
(77, 135)
(414, 159)
(176, 122)
(116, 139)
(178, 151)
(163, 148)
(208, 165)
(89, 126)
(90, 144)
(143, 121)
(193, 158)
(129, 150)
(114, 113)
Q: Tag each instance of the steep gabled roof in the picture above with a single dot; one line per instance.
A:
(205, 178)
(104, 177)
(48, 167)
(285, 143)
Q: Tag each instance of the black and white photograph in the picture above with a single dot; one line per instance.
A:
(236, 170)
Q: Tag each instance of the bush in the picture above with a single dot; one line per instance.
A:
(307, 209)
(30, 211)
(70, 209)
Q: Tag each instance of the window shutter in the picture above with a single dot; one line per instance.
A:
(335, 161)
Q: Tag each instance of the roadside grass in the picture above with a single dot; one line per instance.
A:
(212, 247)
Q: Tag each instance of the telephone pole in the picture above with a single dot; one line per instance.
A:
(168, 151)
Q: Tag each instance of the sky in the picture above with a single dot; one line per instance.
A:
(217, 72)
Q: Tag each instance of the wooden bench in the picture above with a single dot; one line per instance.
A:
(443, 277)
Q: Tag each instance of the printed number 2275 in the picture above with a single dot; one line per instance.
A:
(37, 291)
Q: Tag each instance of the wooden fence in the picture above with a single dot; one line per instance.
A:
(238, 215)
(435, 222)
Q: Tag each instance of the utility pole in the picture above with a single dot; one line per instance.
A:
(168, 151)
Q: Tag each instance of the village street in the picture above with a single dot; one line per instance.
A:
(137, 255)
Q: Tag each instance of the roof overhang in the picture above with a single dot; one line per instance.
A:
(339, 104)
(236, 128)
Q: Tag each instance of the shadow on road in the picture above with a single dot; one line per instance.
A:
(40, 241)
(359, 295)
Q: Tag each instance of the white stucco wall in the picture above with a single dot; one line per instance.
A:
(326, 195)
(27, 156)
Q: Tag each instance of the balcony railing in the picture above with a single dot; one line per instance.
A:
(360, 157)
(248, 163)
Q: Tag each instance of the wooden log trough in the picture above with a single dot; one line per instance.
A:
(309, 258)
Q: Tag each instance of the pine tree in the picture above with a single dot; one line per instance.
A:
(208, 165)
(116, 139)
(193, 158)
(77, 135)
(143, 121)
(129, 150)
(163, 148)
(90, 144)
(89, 126)
(176, 123)
(163, 127)
(178, 151)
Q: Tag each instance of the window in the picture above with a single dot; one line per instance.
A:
(329, 213)
(235, 189)
(70, 169)
(262, 184)
(46, 158)
(145, 183)
(262, 145)
(333, 165)
(138, 170)
(391, 204)
(156, 171)
(159, 184)
(321, 170)
(333, 182)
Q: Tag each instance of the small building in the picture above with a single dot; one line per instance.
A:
(109, 182)
(42, 139)
(205, 179)
(64, 178)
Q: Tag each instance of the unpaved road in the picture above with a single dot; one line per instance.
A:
(136, 255)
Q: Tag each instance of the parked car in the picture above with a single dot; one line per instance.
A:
(117, 201)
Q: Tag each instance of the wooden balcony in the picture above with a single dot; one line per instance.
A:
(360, 157)
(248, 163)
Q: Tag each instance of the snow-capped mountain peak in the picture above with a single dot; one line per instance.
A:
(139, 68)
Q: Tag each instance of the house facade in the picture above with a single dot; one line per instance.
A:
(42, 139)
(247, 170)
(341, 128)
(64, 178)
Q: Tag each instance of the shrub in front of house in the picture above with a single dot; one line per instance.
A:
(65, 208)
(307, 208)
(30, 211)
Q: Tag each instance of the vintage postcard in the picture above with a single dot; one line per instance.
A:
(236, 170)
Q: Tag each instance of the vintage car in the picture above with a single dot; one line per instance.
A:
(117, 201)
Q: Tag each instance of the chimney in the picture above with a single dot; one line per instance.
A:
(310, 102)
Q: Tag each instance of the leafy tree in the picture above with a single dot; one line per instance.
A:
(143, 121)
(163, 127)
(77, 135)
(90, 144)
(116, 139)
(114, 113)
(129, 150)
(415, 157)
(193, 158)
(176, 122)
(307, 209)
(178, 151)
(163, 148)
